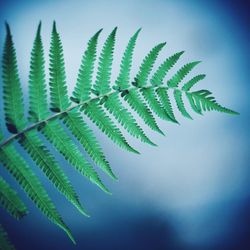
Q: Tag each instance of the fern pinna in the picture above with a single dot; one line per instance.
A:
(148, 94)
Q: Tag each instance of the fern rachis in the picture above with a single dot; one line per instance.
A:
(99, 100)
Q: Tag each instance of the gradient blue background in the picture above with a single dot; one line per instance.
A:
(192, 191)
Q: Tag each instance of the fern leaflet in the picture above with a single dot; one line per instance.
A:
(11, 201)
(16, 165)
(58, 88)
(161, 72)
(82, 90)
(102, 84)
(123, 116)
(123, 80)
(147, 65)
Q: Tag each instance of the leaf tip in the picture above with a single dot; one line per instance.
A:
(235, 112)
(82, 210)
(160, 131)
(105, 189)
(111, 174)
(138, 31)
(7, 27)
(197, 62)
(135, 151)
(114, 31)
(114, 177)
(86, 214)
(99, 31)
(68, 232)
(108, 192)
(163, 44)
(54, 27)
(152, 143)
(39, 29)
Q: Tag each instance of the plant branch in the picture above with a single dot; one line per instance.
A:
(54, 116)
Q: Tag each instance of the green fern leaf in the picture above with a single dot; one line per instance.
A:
(181, 73)
(16, 165)
(4, 240)
(13, 96)
(145, 96)
(180, 103)
(62, 142)
(38, 106)
(42, 157)
(147, 65)
(83, 85)
(123, 80)
(135, 101)
(162, 93)
(34, 146)
(188, 85)
(53, 130)
(142, 78)
(11, 201)
(99, 117)
(58, 88)
(161, 72)
(151, 98)
(102, 84)
(123, 116)
(85, 168)
(206, 102)
(85, 136)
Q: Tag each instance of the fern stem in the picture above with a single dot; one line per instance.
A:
(77, 105)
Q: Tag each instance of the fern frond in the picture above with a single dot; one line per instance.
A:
(31, 142)
(38, 105)
(204, 101)
(83, 85)
(102, 84)
(188, 85)
(17, 166)
(64, 144)
(42, 157)
(161, 72)
(10, 201)
(5, 243)
(180, 103)
(123, 116)
(142, 78)
(123, 79)
(146, 96)
(162, 93)
(58, 88)
(85, 136)
(53, 130)
(96, 113)
(151, 98)
(147, 65)
(13, 96)
(180, 74)
(135, 101)
(58, 69)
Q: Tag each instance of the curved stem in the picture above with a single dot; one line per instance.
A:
(74, 106)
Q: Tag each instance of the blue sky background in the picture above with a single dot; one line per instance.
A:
(192, 191)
